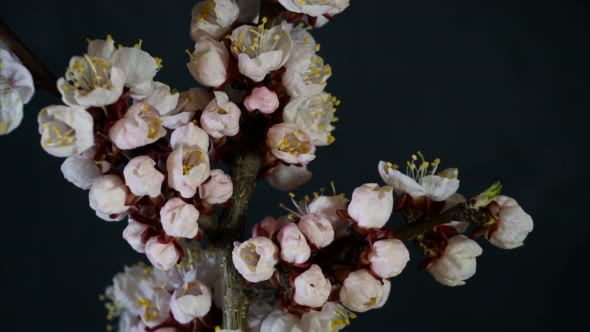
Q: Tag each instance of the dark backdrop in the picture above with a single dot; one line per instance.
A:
(496, 88)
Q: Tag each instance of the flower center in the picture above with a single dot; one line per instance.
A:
(152, 119)
(87, 74)
(250, 256)
(293, 143)
(60, 134)
(190, 159)
(417, 171)
(258, 40)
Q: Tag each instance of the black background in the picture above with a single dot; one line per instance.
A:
(496, 88)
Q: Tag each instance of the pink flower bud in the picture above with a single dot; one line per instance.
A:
(294, 247)
(513, 224)
(179, 219)
(132, 234)
(316, 229)
(221, 117)
(255, 259)
(267, 227)
(142, 177)
(362, 292)
(290, 143)
(263, 99)
(192, 300)
(162, 255)
(208, 63)
(457, 262)
(108, 194)
(218, 189)
(388, 257)
(371, 205)
(312, 289)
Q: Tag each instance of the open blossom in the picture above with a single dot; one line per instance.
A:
(142, 177)
(317, 230)
(290, 143)
(388, 257)
(65, 130)
(313, 7)
(417, 183)
(255, 259)
(312, 288)
(82, 170)
(362, 292)
(162, 99)
(221, 117)
(306, 74)
(188, 167)
(315, 114)
(259, 50)
(108, 195)
(190, 101)
(16, 89)
(371, 205)
(218, 189)
(294, 247)
(513, 224)
(179, 218)
(192, 300)
(138, 66)
(457, 262)
(162, 255)
(288, 177)
(213, 18)
(140, 126)
(209, 62)
(263, 99)
(132, 234)
(91, 81)
(332, 317)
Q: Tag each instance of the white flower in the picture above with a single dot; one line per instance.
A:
(139, 68)
(91, 81)
(371, 205)
(213, 18)
(290, 143)
(259, 50)
(179, 218)
(333, 317)
(142, 177)
(65, 130)
(313, 7)
(255, 259)
(317, 230)
(361, 292)
(294, 247)
(327, 207)
(312, 289)
(190, 101)
(82, 170)
(457, 262)
(417, 183)
(187, 167)
(132, 234)
(189, 135)
(162, 99)
(153, 306)
(338, 6)
(162, 255)
(107, 195)
(278, 320)
(218, 189)
(288, 177)
(306, 74)
(388, 257)
(16, 88)
(192, 300)
(209, 62)
(513, 224)
(221, 117)
(315, 114)
(140, 126)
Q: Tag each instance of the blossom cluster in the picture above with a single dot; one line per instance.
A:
(16, 89)
(335, 252)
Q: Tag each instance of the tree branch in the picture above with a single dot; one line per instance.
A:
(43, 77)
